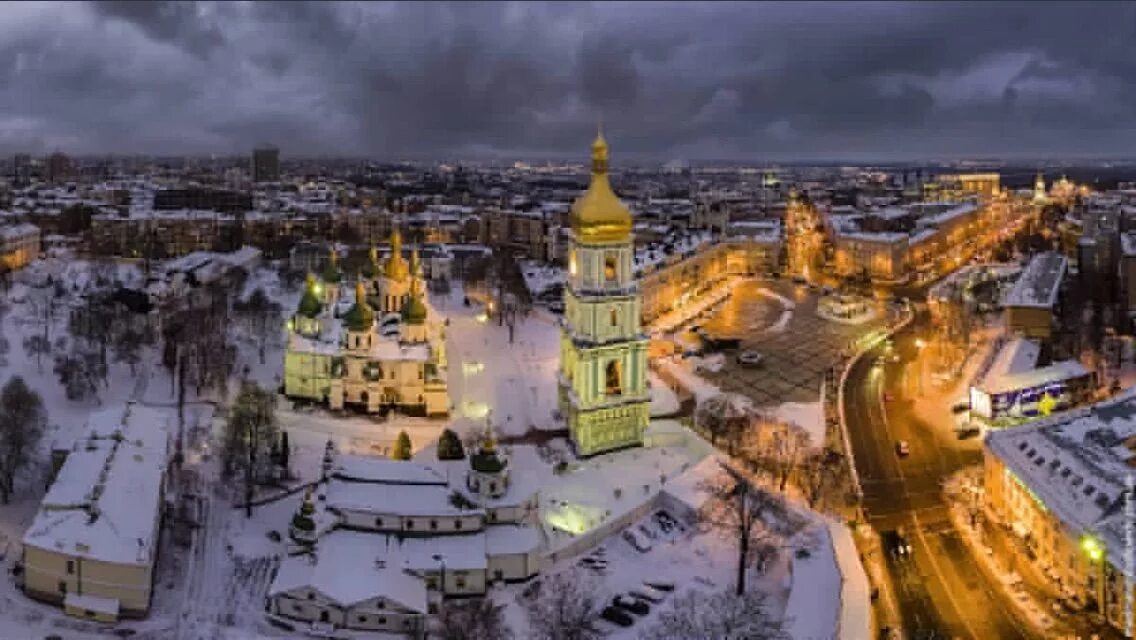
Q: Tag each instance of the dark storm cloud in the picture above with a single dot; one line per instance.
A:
(700, 80)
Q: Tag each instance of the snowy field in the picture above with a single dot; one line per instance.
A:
(512, 384)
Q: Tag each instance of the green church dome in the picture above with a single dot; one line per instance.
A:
(414, 311)
(360, 317)
(310, 305)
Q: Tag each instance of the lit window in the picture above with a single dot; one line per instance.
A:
(609, 268)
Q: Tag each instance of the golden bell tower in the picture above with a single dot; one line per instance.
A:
(603, 351)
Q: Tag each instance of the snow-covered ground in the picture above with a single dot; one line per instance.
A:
(807, 415)
(513, 384)
(215, 587)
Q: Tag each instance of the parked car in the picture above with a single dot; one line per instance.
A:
(965, 433)
(638, 607)
(637, 541)
(647, 595)
(617, 616)
(661, 586)
(750, 359)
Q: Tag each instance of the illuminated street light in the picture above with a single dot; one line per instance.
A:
(1092, 547)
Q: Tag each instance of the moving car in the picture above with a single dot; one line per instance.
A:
(902, 449)
(895, 543)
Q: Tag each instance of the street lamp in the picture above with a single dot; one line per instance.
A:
(919, 345)
(1094, 550)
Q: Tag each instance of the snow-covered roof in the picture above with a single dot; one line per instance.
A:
(1039, 282)
(18, 231)
(351, 567)
(385, 471)
(417, 500)
(1074, 464)
(105, 501)
(509, 539)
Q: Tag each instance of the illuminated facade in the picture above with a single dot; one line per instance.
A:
(382, 347)
(1058, 486)
(603, 352)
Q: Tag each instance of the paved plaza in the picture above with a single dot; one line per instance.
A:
(795, 358)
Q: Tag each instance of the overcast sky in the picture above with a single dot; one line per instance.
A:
(690, 81)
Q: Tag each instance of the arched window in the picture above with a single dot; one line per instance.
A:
(609, 268)
(615, 317)
(613, 386)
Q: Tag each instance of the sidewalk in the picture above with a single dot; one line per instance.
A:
(1029, 596)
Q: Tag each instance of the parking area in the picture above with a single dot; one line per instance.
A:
(796, 353)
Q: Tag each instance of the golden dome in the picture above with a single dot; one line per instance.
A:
(396, 268)
(598, 216)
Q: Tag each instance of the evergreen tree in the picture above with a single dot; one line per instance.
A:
(402, 448)
(450, 446)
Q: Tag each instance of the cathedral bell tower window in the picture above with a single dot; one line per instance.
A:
(613, 386)
(609, 268)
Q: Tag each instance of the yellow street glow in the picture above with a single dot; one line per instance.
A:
(1092, 548)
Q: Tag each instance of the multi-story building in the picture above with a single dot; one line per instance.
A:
(603, 392)
(1058, 485)
(1032, 304)
(22, 170)
(59, 168)
(896, 243)
(93, 544)
(19, 245)
(528, 232)
(266, 164)
(220, 200)
(381, 348)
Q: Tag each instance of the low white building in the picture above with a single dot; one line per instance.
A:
(93, 544)
(382, 534)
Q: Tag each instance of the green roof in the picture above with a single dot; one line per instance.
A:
(487, 462)
(414, 311)
(310, 305)
(359, 317)
(331, 273)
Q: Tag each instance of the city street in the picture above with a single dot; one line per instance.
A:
(940, 591)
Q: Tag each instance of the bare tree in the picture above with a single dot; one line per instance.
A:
(775, 448)
(262, 318)
(250, 435)
(741, 509)
(718, 616)
(566, 609)
(37, 345)
(819, 477)
(79, 370)
(725, 418)
(23, 420)
(476, 619)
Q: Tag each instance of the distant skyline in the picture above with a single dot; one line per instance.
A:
(732, 81)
